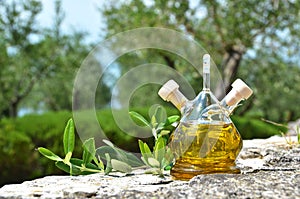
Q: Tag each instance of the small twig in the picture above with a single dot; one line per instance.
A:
(275, 123)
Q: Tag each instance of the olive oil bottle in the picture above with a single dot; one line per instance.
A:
(205, 141)
(204, 149)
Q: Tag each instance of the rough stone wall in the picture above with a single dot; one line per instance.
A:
(270, 169)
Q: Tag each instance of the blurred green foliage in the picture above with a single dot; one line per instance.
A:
(255, 40)
(250, 127)
(20, 137)
(38, 64)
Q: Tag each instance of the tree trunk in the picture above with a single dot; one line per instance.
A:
(11, 111)
(230, 64)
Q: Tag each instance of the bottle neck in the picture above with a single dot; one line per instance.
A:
(177, 99)
(206, 81)
(206, 72)
(230, 101)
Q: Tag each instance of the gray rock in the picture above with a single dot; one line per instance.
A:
(270, 169)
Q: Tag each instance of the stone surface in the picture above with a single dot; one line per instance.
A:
(270, 169)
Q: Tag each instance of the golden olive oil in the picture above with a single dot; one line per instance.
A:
(204, 149)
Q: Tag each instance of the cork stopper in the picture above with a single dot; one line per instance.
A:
(167, 89)
(240, 90)
(170, 93)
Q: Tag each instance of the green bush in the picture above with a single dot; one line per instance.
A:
(21, 136)
(250, 128)
(17, 155)
(19, 139)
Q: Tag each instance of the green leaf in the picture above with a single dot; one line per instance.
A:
(153, 162)
(145, 161)
(69, 137)
(160, 126)
(79, 162)
(164, 163)
(167, 168)
(159, 149)
(109, 143)
(154, 122)
(108, 164)
(101, 151)
(140, 118)
(160, 115)
(148, 153)
(66, 168)
(170, 120)
(119, 154)
(89, 150)
(133, 161)
(68, 158)
(99, 162)
(49, 154)
(77, 169)
(147, 149)
(121, 166)
(141, 145)
(164, 132)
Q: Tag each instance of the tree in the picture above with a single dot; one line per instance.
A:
(276, 88)
(229, 30)
(19, 71)
(38, 65)
(66, 51)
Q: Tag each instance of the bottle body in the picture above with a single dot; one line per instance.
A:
(204, 149)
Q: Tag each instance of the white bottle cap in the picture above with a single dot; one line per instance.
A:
(242, 88)
(167, 89)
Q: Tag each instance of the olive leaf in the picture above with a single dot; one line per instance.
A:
(49, 154)
(159, 159)
(164, 132)
(75, 167)
(159, 149)
(160, 115)
(109, 143)
(153, 162)
(66, 168)
(67, 158)
(121, 166)
(118, 154)
(171, 119)
(108, 164)
(140, 118)
(89, 151)
(69, 137)
(98, 161)
(154, 122)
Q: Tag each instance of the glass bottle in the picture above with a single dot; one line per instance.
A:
(205, 141)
